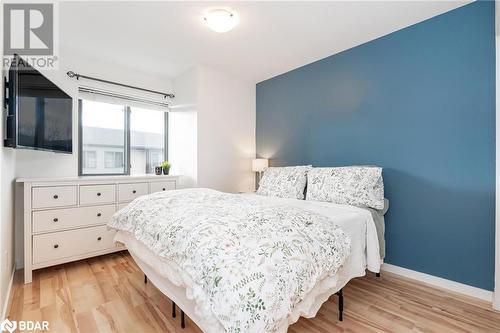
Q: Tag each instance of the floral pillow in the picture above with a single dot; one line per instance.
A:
(284, 182)
(353, 185)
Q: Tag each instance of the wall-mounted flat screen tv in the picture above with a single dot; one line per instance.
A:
(39, 113)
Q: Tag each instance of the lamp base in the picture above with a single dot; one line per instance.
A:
(258, 177)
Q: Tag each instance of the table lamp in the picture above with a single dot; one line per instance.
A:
(259, 165)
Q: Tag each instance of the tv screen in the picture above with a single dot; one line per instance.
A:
(44, 112)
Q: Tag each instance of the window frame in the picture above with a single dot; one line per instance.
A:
(127, 148)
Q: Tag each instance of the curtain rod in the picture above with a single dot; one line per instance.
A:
(72, 74)
(121, 96)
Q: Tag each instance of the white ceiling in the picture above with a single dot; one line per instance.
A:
(167, 38)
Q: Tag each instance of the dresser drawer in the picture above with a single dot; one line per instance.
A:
(123, 205)
(162, 186)
(97, 194)
(128, 192)
(53, 196)
(57, 219)
(65, 244)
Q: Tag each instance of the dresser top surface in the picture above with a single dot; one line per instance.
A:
(146, 177)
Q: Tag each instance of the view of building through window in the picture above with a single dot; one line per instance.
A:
(147, 140)
(104, 132)
(89, 159)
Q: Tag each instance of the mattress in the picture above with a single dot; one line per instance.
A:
(356, 222)
(379, 220)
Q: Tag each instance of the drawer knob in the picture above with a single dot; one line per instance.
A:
(56, 196)
(163, 189)
(98, 214)
(56, 246)
(98, 194)
(99, 238)
(55, 219)
(134, 191)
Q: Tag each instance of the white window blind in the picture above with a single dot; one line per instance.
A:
(158, 103)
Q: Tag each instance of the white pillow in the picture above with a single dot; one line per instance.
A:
(284, 182)
(353, 185)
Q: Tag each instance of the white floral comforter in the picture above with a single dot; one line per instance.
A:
(253, 260)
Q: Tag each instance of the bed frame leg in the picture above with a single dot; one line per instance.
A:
(377, 274)
(173, 309)
(340, 293)
(145, 278)
(183, 323)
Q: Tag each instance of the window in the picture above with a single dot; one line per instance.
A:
(113, 160)
(89, 159)
(102, 128)
(120, 139)
(155, 159)
(147, 140)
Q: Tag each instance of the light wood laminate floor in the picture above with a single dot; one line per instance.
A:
(108, 294)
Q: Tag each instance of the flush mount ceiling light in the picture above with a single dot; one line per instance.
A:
(220, 20)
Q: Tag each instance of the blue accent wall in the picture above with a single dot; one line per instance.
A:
(419, 102)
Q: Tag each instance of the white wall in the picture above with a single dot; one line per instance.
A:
(7, 170)
(183, 127)
(226, 131)
(224, 110)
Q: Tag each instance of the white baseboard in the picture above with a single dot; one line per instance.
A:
(19, 264)
(496, 300)
(7, 295)
(457, 287)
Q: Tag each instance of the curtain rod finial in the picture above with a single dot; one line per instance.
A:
(71, 74)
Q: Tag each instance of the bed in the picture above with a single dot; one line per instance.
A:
(350, 232)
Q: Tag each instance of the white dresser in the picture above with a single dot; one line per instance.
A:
(65, 219)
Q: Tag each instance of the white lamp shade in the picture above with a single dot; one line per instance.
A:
(259, 164)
